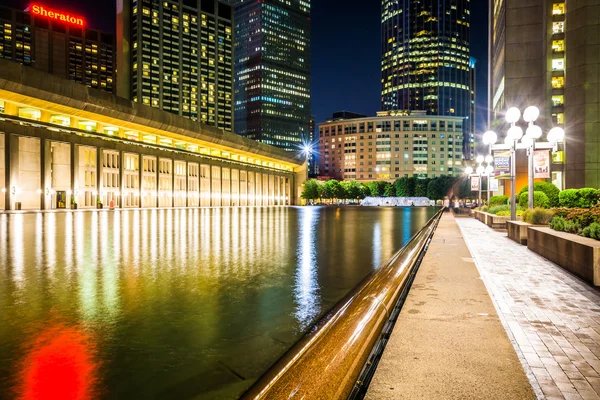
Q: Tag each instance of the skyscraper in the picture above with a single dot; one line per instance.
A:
(177, 55)
(425, 57)
(272, 71)
(58, 43)
(550, 60)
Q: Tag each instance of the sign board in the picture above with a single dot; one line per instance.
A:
(541, 164)
(474, 183)
(41, 11)
(493, 184)
(502, 164)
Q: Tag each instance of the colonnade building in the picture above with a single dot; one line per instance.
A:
(64, 145)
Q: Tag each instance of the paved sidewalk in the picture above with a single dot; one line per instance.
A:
(449, 342)
(553, 317)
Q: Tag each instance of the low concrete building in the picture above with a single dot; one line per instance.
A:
(389, 146)
(63, 145)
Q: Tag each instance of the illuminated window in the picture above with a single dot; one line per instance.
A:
(558, 9)
(558, 46)
(558, 27)
(558, 82)
(89, 126)
(558, 64)
(558, 101)
(558, 118)
(63, 120)
(30, 113)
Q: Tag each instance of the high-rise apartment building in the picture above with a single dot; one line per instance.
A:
(425, 58)
(389, 146)
(272, 71)
(60, 44)
(177, 55)
(542, 54)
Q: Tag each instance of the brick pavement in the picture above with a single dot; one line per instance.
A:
(551, 316)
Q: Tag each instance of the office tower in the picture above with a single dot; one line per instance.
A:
(58, 43)
(178, 56)
(425, 57)
(541, 54)
(272, 71)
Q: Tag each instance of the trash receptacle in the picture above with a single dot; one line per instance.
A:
(17, 205)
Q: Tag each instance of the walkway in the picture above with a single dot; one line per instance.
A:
(553, 317)
(448, 342)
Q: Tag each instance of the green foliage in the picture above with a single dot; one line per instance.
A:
(421, 187)
(584, 198)
(538, 216)
(311, 190)
(377, 188)
(435, 189)
(329, 189)
(588, 197)
(390, 190)
(353, 189)
(548, 188)
(498, 200)
(539, 200)
(504, 213)
(560, 224)
(592, 231)
(497, 209)
(484, 208)
(569, 198)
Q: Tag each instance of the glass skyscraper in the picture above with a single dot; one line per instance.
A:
(425, 58)
(272, 71)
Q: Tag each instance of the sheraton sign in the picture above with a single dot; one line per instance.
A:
(42, 11)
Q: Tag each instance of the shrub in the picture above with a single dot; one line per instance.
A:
(503, 213)
(568, 198)
(538, 216)
(497, 209)
(592, 231)
(539, 200)
(585, 198)
(588, 198)
(484, 208)
(558, 223)
(498, 200)
(548, 188)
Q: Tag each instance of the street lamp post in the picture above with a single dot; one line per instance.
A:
(528, 142)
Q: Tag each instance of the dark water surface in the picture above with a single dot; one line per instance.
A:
(177, 304)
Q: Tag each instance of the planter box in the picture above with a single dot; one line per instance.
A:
(576, 254)
(517, 231)
(491, 220)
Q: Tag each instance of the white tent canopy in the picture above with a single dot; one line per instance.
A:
(396, 201)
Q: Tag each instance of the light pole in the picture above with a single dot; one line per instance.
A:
(528, 142)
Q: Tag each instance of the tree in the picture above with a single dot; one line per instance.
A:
(390, 190)
(353, 190)
(339, 191)
(311, 190)
(421, 188)
(435, 189)
(328, 189)
(365, 190)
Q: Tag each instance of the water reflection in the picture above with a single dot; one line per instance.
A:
(177, 303)
(307, 288)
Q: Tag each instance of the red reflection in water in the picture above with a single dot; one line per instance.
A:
(60, 365)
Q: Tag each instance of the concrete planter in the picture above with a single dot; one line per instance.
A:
(517, 231)
(492, 220)
(576, 254)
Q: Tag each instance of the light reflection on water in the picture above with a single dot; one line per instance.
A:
(178, 303)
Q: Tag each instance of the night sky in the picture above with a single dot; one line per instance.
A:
(346, 50)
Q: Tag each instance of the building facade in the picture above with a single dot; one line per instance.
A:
(60, 44)
(391, 146)
(541, 55)
(177, 56)
(272, 71)
(63, 146)
(425, 58)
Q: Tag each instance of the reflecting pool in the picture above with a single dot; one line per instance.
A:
(178, 304)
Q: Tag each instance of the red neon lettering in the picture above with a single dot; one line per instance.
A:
(37, 9)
